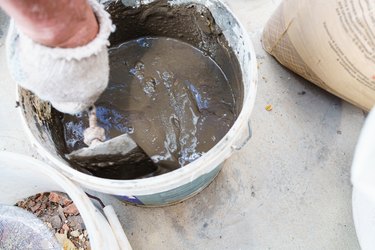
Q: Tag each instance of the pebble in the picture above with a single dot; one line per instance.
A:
(56, 221)
(60, 215)
(76, 222)
(31, 203)
(54, 197)
(71, 209)
(35, 207)
(60, 210)
(75, 233)
(57, 198)
(39, 197)
(269, 107)
(65, 227)
(43, 206)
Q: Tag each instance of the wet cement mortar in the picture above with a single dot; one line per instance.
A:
(174, 87)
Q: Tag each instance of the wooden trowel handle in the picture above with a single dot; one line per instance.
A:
(93, 120)
(93, 134)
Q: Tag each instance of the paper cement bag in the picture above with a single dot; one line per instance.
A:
(330, 43)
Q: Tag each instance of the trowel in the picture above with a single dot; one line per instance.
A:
(118, 154)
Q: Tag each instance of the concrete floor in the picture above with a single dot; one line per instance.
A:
(289, 188)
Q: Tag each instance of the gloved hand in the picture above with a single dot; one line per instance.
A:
(70, 78)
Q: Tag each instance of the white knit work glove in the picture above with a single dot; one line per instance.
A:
(72, 79)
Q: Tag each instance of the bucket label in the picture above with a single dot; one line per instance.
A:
(130, 199)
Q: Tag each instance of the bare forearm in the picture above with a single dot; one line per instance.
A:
(54, 23)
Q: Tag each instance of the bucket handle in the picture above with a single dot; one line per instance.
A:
(247, 138)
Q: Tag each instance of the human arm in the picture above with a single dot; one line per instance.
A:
(70, 73)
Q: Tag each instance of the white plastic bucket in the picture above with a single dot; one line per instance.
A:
(363, 179)
(185, 182)
(22, 177)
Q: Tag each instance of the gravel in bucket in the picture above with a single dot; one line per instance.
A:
(61, 215)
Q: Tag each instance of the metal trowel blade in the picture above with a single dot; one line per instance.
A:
(120, 145)
(120, 154)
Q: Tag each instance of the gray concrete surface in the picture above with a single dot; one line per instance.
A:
(289, 188)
